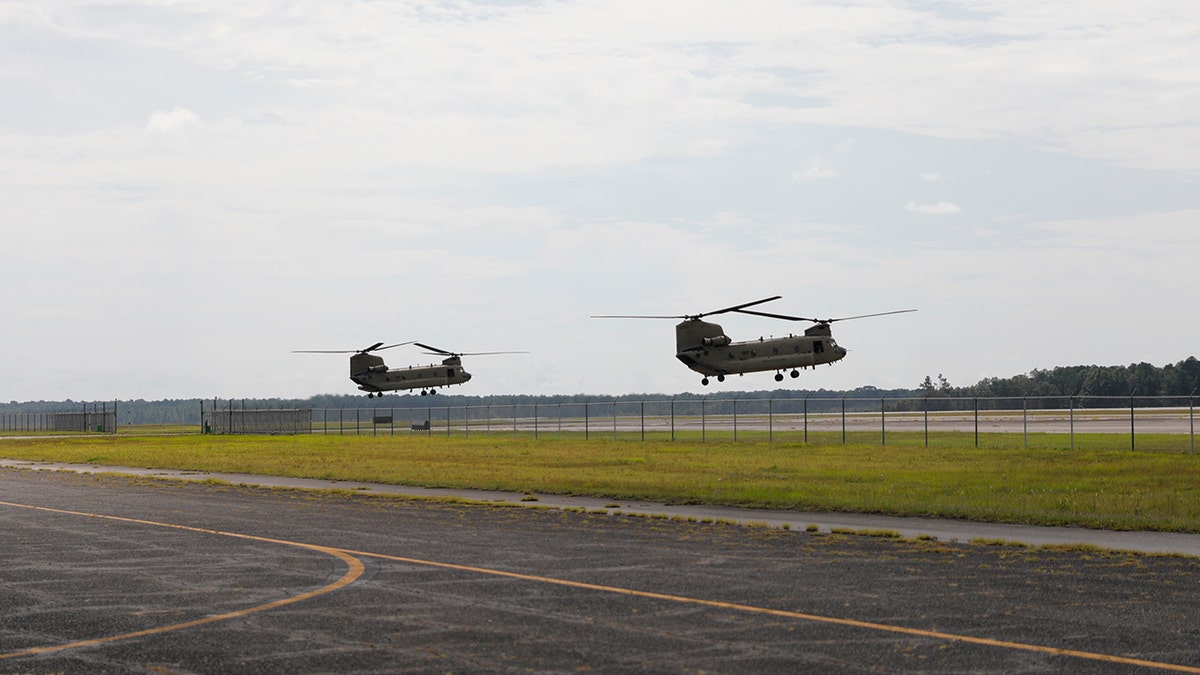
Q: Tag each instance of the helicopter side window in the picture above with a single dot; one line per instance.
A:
(818, 347)
(449, 372)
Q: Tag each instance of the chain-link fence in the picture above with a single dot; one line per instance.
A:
(95, 418)
(1131, 422)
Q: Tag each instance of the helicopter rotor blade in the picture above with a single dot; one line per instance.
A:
(377, 347)
(864, 316)
(324, 351)
(785, 317)
(826, 321)
(435, 351)
(735, 308)
(636, 316)
(738, 308)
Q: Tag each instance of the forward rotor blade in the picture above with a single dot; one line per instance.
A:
(377, 348)
(324, 351)
(434, 350)
(636, 316)
(735, 308)
(738, 308)
(785, 317)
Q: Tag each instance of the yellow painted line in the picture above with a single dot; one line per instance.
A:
(354, 570)
(917, 632)
(350, 557)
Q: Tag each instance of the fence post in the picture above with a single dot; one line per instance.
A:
(1071, 428)
(1192, 420)
(806, 417)
(586, 415)
(771, 419)
(535, 420)
(843, 420)
(926, 400)
(1025, 422)
(703, 420)
(673, 417)
(643, 417)
(1132, 435)
(976, 402)
(883, 422)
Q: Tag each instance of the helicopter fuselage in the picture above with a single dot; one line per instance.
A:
(704, 347)
(372, 375)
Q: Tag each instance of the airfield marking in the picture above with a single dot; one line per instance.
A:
(356, 568)
(918, 632)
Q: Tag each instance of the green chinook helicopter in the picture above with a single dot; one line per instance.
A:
(705, 348)
(373, 376)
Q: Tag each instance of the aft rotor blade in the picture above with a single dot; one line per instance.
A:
(864, 316)
(803, 318)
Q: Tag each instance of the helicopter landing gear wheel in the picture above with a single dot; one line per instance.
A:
(424, 393)
(432, 392)
(720, 378)
(704, 382)
(779, 377)
(795, 373)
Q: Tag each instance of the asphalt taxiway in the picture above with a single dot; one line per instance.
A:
(154, 572)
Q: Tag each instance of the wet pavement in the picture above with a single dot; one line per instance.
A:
(104, 573)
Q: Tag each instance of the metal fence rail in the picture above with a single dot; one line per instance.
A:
(813, 419)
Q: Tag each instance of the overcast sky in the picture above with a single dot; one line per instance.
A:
(192, 189)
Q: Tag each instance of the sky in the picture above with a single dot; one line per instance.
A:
(191, 190)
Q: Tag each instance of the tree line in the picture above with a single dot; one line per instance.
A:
(1055, 387)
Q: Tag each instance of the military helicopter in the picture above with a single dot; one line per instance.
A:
(373, 376)
(705, 348)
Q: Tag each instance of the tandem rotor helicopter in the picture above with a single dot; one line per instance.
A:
(373, 376)
(705, 348)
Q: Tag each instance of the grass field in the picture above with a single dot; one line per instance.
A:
(1115, 489)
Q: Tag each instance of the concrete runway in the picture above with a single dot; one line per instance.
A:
(103, 573)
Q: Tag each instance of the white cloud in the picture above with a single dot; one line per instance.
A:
(930, 176)
(178, 126)
(937, 209)
(817, 170)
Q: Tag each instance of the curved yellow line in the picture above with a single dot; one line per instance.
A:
(354, 569)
